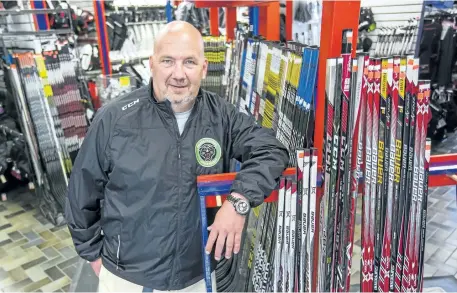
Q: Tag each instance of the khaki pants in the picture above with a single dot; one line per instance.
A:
(108, 282)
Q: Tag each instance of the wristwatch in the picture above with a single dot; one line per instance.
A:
(241, 206)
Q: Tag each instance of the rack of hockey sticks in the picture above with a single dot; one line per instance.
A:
(275, 83)
(277, 246)
(65, 101)
(369, 102)
(277, 89)
(215, 48)
(388, 161)
(50, 105)
(396, 40)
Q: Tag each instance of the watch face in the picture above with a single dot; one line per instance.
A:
(242, 207)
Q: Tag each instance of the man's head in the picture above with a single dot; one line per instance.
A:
(178, 65)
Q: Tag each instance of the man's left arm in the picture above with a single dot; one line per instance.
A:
(263, 160)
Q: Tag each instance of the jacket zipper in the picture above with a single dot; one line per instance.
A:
(178, 140)
(118, 250)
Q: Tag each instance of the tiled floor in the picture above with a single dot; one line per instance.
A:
(34, 255)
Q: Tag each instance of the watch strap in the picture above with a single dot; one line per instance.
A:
(232, 199)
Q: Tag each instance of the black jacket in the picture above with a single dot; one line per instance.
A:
(134, 160)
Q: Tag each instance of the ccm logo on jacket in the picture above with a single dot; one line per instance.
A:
(130, 104)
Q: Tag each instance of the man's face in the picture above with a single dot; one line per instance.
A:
(177, 67)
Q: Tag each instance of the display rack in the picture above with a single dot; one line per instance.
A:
(214, 188)
(443, 169)
(102, 33)
(50, 174)
(264, 17)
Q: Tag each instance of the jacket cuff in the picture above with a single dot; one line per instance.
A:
(89, 249)
(254, 198)
(91, 253)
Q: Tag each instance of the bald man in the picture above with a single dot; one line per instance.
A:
(133, 207)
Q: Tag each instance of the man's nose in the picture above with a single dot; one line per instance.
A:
(178, 72)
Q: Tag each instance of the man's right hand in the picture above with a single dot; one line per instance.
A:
(96, 266)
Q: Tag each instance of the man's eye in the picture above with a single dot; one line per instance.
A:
(190, 62)
(166, 61)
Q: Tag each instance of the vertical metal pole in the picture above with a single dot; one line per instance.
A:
(255, 21)
(102, 34)
(336, 16)
(251, 20)
(206, 257)
(169, 11)
(41, 21)
(419, 31)
(214, 21)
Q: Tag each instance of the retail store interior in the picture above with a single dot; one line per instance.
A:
(363, 94)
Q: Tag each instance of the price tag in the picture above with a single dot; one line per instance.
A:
(124, 81)
(47, 90)
(3, 179)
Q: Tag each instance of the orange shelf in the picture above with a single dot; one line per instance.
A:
(336, 16)
(214, 21)
(232, 176)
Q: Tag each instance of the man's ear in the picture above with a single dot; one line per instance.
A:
(205, 68)
(151, 62)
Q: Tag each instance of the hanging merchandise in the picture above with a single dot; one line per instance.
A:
(366, 20)
(82, 21)
(53, 119)
(8, 4)
(89, 58)
(437, 62)
(396, 40)
(366, 25)
(117, 31)
(198, 17)
(65, 101)
(306, 26)
(14, 163)
(436, 51)
(35, 93)
(441, 4)
(132, 30)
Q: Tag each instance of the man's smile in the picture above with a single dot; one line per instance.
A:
(178, 86)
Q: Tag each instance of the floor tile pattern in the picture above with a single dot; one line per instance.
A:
(34, 255)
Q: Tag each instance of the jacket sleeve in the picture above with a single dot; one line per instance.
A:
(86, 189)
(262, 156)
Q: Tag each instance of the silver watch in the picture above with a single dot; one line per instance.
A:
(241, 206)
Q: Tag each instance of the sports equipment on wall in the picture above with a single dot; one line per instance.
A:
(53, 117)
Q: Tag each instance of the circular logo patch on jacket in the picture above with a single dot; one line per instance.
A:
(208, 152)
